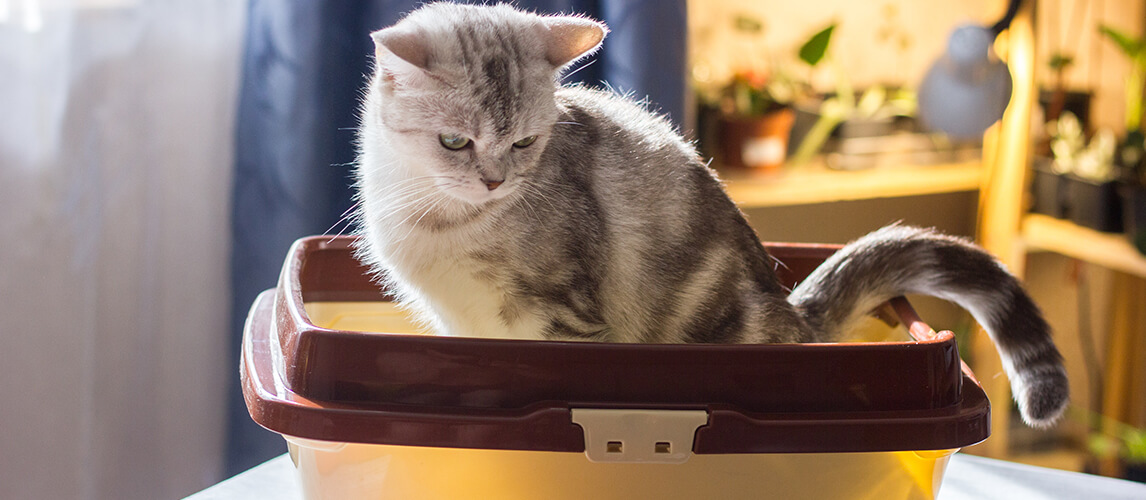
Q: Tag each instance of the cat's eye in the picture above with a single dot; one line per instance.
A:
(524, 143)
(453, 142)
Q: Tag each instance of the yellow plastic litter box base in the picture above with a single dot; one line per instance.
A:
(348, 470)
(362, 471)
(330, 470)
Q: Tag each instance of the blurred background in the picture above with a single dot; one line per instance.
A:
(157, 158)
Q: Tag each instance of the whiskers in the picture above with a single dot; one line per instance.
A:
(405, 187)
(523, 200)
(533, 191)
(579, 68)
(421, 208)
(347, 217)
(399, 209)
(398, 203)
(413, 199)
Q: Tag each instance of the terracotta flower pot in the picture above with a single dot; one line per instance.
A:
(756, 142)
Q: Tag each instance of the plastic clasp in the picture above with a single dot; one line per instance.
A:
(639, 436)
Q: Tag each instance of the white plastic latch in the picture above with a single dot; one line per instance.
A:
(639, 436)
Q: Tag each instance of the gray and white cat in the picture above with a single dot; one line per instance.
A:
(497, 203)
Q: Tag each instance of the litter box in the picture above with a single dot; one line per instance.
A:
(371, 409)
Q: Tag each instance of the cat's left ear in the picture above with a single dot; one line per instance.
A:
(407, 44)
(401, 54)
(568, 38)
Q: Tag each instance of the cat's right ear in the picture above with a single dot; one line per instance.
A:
(400, 54)
(569, 38)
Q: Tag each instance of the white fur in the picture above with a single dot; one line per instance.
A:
(436, 262)
(425, 212)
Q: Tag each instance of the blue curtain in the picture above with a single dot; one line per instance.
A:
(304, 65)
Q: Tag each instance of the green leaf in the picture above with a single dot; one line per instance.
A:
(747, 24)
(1134, 443)
(813, 51)
(1103, 446)
(1130, 46)
(1060, 61)
(871, 101)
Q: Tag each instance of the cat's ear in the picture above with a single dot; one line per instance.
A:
(569, 38)
(401, 53)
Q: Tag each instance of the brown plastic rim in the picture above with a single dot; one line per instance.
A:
(311, 382)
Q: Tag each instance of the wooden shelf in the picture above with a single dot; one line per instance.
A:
(815, 183)
(1110, 250)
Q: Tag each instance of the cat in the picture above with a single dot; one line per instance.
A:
(496, 202)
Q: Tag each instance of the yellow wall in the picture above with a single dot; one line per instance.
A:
(865, 47)
(1071, 26)
(718, 51)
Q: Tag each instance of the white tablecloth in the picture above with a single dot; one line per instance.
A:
(968, 478)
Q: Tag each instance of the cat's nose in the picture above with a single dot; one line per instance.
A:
(492, 184)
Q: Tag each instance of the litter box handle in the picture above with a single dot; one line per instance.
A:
(639, 436)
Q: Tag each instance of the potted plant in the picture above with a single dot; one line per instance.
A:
(756, 120)
(1131, 155)
(867, 114)
(1134, 208)
(1123, 444)
(747, 118)
(1064, 34)
(1058, 99)
(1079, 182)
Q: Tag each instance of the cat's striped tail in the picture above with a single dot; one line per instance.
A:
(898, 260)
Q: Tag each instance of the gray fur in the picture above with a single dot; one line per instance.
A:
(898, 260)
(609, 227)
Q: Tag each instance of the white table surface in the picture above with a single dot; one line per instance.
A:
(968, 478)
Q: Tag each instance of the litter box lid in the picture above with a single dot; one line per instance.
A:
(306, 381)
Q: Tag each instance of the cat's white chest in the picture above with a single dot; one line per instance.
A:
(459, 294)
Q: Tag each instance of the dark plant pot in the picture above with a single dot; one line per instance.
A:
(865, 127)
(1093, 204)
(807, 114)
(1134, 214)
(1135, 472)
(756, 142)
(1048, 191)
(1076, 102)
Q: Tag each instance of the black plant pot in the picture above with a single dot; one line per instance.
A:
(1048, 191)
(866, 127)
(1093, 204)
(1135, 472)
(1076, 102)
(1134, 214)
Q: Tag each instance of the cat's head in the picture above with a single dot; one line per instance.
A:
(465, 94)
